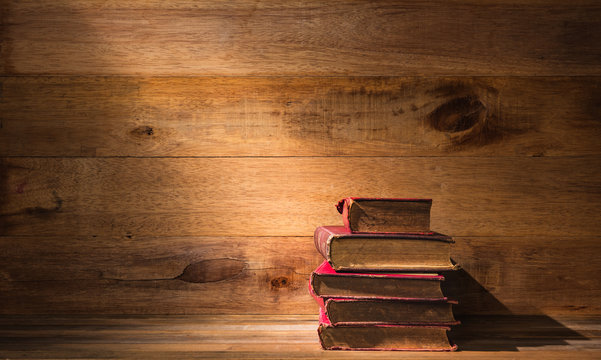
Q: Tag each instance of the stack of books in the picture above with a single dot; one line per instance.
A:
(379, 287)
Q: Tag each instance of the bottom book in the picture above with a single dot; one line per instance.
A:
(383, 337)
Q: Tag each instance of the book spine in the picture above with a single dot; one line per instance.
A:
(323, 318)
(312, 284)
(345, 214)
(318, 299)
(321, 238)
(343, 208)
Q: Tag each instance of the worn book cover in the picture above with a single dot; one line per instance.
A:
(385, 214)
(326, 282)
(385, 252)
(383, 337)
(389, 311)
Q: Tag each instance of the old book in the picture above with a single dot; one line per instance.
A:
(326, 282)
(383, 337)
(385, 214)
(347, 251)
(388, 311)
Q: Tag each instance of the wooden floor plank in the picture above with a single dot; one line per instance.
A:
(128, 351)
(162, 336)
(269, 275)
(125, 116)
(292, 196)
(309, 38)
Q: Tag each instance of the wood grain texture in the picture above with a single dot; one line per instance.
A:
(292, 196)
(303, 38)
(266, 337)
(269, 275)
(189, 179)
(98, 116)
(151, 275)
(525, 275)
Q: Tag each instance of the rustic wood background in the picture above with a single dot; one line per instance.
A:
(174, 157)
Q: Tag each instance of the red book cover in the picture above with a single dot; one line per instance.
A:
(400, 310)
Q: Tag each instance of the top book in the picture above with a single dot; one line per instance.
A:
(385, 215)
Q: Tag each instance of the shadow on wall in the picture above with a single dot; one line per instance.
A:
(502, 331)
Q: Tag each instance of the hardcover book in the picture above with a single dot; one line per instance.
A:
(385, 214)
(326, 282)
(388, 311)
(383, 337)
(390, 252)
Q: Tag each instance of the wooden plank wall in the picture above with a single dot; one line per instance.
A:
(175, 157)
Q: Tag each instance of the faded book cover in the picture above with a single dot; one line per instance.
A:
(383, 252)
(385, 214)
(327, 282)
(383, 337)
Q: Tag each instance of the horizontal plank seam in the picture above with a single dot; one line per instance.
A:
(298, 156)
(299, 76)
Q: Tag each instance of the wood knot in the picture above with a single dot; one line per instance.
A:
(143, 131)
(212, 270)
(42, 212)
(458, 114)
(20, 188)
(280, 282)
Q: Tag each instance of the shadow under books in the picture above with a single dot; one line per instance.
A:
(503, 331)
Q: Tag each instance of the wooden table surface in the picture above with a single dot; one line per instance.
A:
(261, 336)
